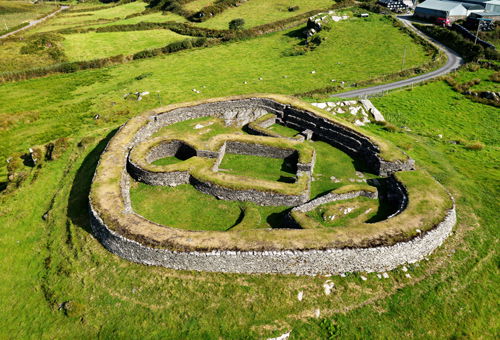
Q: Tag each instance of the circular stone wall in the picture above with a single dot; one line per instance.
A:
(424, 216)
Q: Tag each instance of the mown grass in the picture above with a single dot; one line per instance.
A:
(184, 207)
(13, 13)
(82, 46)
(258, 12)
(271, 169)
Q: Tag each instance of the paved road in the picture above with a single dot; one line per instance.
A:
(34, 22)
(454, 61)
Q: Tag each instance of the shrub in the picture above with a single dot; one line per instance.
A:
(236, 24)
(293, 8)
(475, 146)
(495, 77)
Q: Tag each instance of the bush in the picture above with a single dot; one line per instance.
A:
(293, 8)
(236, 24)
(475, 146)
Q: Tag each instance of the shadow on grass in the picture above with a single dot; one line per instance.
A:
(386, 206)
(278, 220)
(78, 202)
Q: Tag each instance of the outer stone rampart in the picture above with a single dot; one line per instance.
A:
(303, 262)
(312, 262)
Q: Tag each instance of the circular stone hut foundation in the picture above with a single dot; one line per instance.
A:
(423, 212)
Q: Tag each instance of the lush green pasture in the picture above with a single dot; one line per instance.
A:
(153, 17)
(271, 169)
(258, 12)
(11, 58)
(196, 5)
(99, 16)
(75, 98)
(83, 46)
(58, 281)
(184, 207)
(13, 13)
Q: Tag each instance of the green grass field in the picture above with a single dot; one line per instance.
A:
(59, 282)
(452, 294)
(13, 13)
(81, 46)
(259, 12)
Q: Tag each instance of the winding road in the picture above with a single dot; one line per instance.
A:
(34, 22)
(454, 61)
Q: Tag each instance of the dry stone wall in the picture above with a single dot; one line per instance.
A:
(306, 262)
(303, 262)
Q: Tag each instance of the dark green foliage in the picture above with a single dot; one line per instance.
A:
(458, 43)
(218, 7)
(45, 42)
(293, 8)
(143, 75)
(236, 24)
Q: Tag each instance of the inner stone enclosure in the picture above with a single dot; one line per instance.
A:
(255, 163)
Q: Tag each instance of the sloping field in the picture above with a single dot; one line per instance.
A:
(82, 46)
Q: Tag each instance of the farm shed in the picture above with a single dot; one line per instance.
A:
(433, 9)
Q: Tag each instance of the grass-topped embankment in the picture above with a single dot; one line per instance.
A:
(107, 200)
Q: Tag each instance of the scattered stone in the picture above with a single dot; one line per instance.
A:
(408, 276)
(385, 275)
(317, 313)
(359, 174)
(300, 296)
(342, 275)
(199, 126)
(333, 178)
(359, 123)
(328, 286)
(440, 136)
(404, 269)
(363, 278)
(360, 180)
(284, 336)
(367, 211)
(313, 72)
(260, 78)
(379, 276)
(245, 82)
(347, 210)
(352, 180)
(333, 80)
(96, 117)
(418, 231)
(45, 216)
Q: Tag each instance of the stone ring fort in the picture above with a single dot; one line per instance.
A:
(421, 212)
